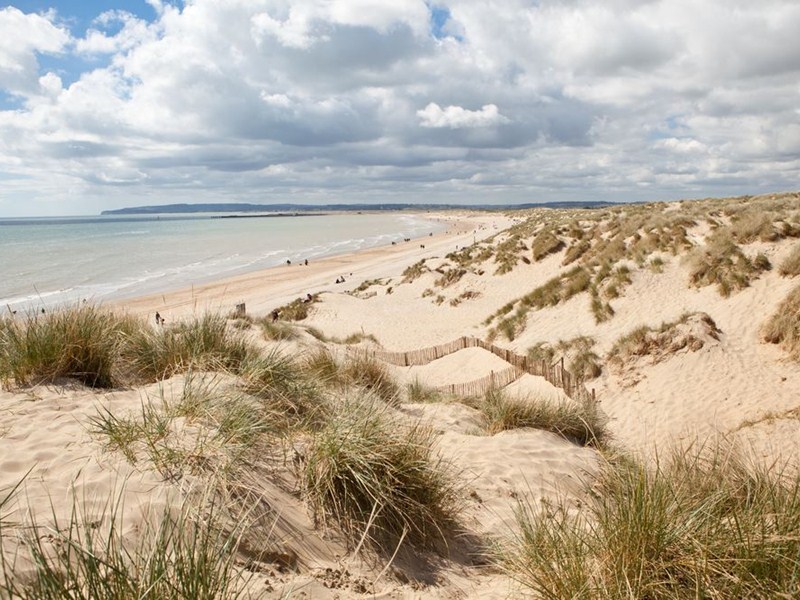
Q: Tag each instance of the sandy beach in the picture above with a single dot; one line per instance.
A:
(621, 299)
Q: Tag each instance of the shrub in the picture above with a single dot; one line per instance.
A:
(783, 327)
(373, 476)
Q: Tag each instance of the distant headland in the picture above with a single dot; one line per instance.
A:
(292, 209)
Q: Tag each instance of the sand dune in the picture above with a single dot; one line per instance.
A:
(732, 386)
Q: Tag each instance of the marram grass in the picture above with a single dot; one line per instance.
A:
(373, 476)
(698, 525)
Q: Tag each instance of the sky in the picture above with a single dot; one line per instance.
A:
(106, 104)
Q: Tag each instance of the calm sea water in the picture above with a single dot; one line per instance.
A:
(46, 262)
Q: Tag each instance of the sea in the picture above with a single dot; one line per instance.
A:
(47, 262)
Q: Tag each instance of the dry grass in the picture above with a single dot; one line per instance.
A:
(722, 263)
(578, 422)
(189, 552)
(699, 525)
(790, 267)
(415, 271)
(376, 477)
(82, 343)
(544, 244)
(689, 331)
(783, 327)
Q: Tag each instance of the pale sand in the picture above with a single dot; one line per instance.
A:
(724, 390)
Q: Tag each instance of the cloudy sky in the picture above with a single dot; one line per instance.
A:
(106, 104)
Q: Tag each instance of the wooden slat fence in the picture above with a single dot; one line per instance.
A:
(478, 387)
(556, 374)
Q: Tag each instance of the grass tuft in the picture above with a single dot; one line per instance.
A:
(371, 475)
(578, 422)
(699, 525)
(182, 556)
(81, 343)
(783, 327)
(790, 267)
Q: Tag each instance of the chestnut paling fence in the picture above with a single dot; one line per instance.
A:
(555, 373)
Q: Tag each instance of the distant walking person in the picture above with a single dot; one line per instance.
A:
(158, 318)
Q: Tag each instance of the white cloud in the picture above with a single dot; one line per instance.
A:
(22, 36)
(327, 99)
(456, 117)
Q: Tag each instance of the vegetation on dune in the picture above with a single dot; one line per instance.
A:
(375, 477)
(417, 392)
(415, 271)
(690, 330)
(790, 267)
(700, 524)
(82, 343)
(277, 331)
(783, 327)
(604, 247)
(581, 359)
(578, 422)
(187, 553)
(203, 343)
(722, 263)
(297, 309)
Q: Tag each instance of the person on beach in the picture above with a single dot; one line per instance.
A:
(306, 262)
(275, 314)
(158, 318)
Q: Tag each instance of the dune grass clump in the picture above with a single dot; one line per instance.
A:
(288, 393)
(449, 276)
(376, 477)
(202, 343)
(698, 525)
(418, 392)
(415, 271)
(370, 374)
(277, 331)
(81, 343)
(722, 263)
(182, 555)
(297, 309)
(578, 422)
(790, 267)
(783, 327)
(545, 244)
(690, 330)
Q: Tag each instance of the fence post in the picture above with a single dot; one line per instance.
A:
(405, 359)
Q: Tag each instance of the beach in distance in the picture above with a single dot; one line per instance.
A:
(49, 262)
(464, 404)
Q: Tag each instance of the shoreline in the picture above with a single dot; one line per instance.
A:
(266, 289)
